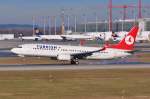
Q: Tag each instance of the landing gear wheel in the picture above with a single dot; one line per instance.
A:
(75, 61)
(36, 39)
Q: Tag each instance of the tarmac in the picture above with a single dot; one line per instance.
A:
(69, 67)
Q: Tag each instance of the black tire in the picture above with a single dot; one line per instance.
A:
(74, 61)
(36, 39)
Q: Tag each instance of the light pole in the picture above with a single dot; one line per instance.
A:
(96, 23)
(63, 18)
(49, 25)
(75, 23)
(123, 19)
(68, 20)
(33, 23)
(85, 22)
(44, 24)
(55, 24)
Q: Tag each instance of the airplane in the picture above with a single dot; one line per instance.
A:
(68, 35)
(143, 36)
(51, 37)
(73, 53)
(77, 37)
(65, 37)
(40, 36)
(58, 37)
(36, 36)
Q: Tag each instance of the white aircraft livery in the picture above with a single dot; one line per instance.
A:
(74, 53)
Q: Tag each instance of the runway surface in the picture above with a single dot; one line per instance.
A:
(69, 67)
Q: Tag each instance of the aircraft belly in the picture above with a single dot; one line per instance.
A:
(100, 56)
(47, 53)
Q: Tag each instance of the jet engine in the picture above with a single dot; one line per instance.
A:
(64, 57)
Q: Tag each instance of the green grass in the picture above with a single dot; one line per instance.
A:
(73, 84)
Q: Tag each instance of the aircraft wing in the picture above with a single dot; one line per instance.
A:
(75, 37)
(85, 54)
(68, 37)
(63, 37)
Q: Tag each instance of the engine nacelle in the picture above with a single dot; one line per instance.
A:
(64, 57)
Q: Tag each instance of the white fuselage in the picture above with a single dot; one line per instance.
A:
(67, 37)
(56, 50)
(52, 37)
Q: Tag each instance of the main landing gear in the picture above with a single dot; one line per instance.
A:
(74, 61)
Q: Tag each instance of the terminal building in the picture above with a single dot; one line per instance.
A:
(6, 36)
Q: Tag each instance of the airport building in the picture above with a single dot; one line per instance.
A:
(6, 36)
(118, 25)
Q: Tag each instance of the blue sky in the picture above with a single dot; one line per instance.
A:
(21, 11)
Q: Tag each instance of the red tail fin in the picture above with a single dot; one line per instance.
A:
(127, 43)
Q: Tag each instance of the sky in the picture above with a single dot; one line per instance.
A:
(21, 11)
